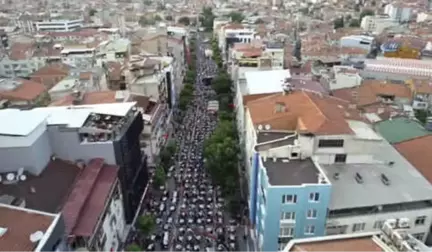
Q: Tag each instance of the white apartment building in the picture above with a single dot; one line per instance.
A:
(112, 50)
(358, 41)
(77, 56)
(20, 67)
(345, 77)
(370, 180)
(276, 52)
(59, 25)
(377, 24)
(399, 12)
(233, 33)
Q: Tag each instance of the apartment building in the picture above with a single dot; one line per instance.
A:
(399, 11)
(22, 93)
(314, 162)
(345, 77)
(392, 238)
(377, 24)
(81, 56)
(22, 59)
(112, 51)
(30, 230)
(363, 42)
(59, 25)
(233, 33)
(35, 141)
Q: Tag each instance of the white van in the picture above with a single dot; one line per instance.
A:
(165, 240)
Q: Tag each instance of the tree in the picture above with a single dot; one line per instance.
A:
(338, 23)
(159, 177)
(168, 18)
(133, 247)
(184, 21)
(222, 84)
(354, 23)
(157, 18)
(259, 21)
(92, 12)
(207, 17)
(143, 21)
(236, 17)
(366, 12)
(146, 224)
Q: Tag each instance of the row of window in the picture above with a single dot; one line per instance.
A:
(288, 231)
(358, 227)
(292, 198)
(310, 214)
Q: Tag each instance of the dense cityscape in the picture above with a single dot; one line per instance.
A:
(216, 125)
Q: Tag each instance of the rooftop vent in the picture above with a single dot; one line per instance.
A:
(336, 176)
(359, 178)
(385, 179)
(391, 163)
(36, 236)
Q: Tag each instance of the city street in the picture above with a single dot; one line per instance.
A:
(189, 209)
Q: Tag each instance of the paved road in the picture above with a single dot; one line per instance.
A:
(190, 209)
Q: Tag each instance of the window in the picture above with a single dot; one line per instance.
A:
(288, 216)
(294, 154)
(314, 197)
(311, 214)
(420, 220)
(310, 229)
(286, 231)
(289, 199)
(330, 143)
(340, 158)
(358, 227)
(378, 224)
(419, 236)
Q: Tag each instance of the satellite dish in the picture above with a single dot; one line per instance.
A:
(36, 236)
(23, 177)
(260, 127)
(10, 176)
(267, 127)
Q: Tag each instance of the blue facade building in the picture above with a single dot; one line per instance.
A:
(288, 199)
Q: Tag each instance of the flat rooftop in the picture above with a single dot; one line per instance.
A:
(350, 242)
(400, 129)
(262, 82)
(23, 122)
(20, 224)
(291, 172)
(406, 184)
(263, 136)
(46, 192)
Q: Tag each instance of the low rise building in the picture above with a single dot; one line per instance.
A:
(396, 69)
(22, 93)
(30, 230)
(59, 25)
(34, 139)
(377, 24)
(355, 41)
(309, 153)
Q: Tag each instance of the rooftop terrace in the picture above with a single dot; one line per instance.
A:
(291, 172)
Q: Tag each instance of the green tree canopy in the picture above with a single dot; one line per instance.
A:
(207, 17)
(159, 178)
(259, 21)
(222, 83)
(133, 247)
(366, 12)
(338, 23)
(157, 18)
(92, 12)
(146, 224)
(184, 21)
(168, 18)
(354, 23)
(236, 17)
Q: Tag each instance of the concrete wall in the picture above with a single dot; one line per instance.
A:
(56, 240)
(67, 145)
(32, 158)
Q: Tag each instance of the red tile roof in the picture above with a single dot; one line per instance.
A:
(81, 192)
(95, 204)
(27, 91)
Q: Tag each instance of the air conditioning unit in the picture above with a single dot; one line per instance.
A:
(404, 223)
